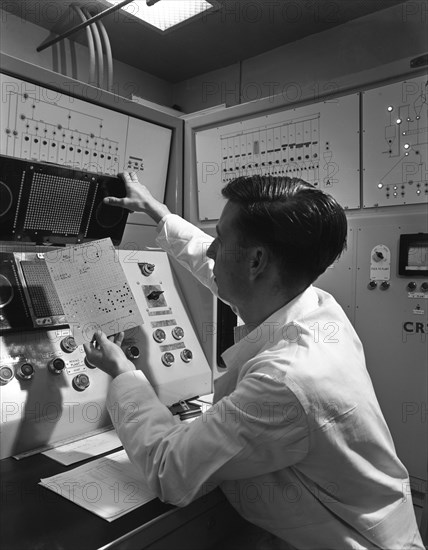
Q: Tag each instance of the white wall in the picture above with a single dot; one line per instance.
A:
(377, 46)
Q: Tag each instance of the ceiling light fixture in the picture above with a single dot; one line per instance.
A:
(166, 14)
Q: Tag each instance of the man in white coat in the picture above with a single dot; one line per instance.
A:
(296, 438)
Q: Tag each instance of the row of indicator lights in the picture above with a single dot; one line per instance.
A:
(390, 108)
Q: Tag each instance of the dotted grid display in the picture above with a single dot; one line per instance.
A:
(93, 290)
(56, 204)
(42, 292)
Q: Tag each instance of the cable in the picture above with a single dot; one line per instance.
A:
(98, 49)
(90, 45)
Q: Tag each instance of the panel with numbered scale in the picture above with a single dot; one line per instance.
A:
(395, 144)
(318, 143)
(41, 124)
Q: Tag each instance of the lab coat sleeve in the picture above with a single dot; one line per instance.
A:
(188, 245)
(259, 428)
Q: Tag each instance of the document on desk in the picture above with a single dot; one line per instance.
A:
(82, 449)
(110, 486)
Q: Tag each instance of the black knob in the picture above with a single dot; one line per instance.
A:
(154, 294)
(81, 382)
(25, 371)
(411, 285)
(424, 287)
(132, 352)
(385, 285)
(56, 366)
(372, 285)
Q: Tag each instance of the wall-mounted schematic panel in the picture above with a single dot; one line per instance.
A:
(318, 143)
(395, 144)
(45, 125)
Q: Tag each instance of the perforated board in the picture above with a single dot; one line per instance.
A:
(41, 124)
(318, 143)
(395, 144)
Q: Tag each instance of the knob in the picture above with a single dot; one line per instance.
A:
(25, 371)
(88, 364)
(68, 344)
(159, 335)
(177, 333)
(81, 382)
(56, 366)
(154, 294)
(146, 268)
(385, 285)
(167, 359)
(411, 285)
(132, 352)
(6, 375)
(424, 287)
(372, 285)
(186, 355)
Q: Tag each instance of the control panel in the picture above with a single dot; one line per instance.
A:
(48, 392)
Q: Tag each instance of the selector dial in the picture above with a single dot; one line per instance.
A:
(186, 355)
(81, 382)
(411, 285)
(132, 352)
(167, 359)
(424, 287)
(68, 344)
(159, 335)
(372, 285)
(178, 333)
(6, 375)
(56, 366)
(385, 285)
(25, 371)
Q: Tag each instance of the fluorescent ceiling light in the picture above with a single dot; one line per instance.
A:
(166, 13)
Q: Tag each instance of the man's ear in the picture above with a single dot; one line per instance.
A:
(258, 261)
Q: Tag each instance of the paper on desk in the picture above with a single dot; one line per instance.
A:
(110, 486)
(93, 289)
(91, 446)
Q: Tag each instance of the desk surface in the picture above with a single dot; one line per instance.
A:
(34, 517)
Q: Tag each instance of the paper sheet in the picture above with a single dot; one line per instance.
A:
(93, 289)
(110, 487)
(89, 447)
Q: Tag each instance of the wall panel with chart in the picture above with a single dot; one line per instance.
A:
(318, 143)
(395, 144)
(46, 125)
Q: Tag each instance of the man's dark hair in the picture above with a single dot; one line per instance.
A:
(303, 227)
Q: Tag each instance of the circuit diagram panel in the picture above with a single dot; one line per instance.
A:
(46, 125)
(395, 144)
(318, 143)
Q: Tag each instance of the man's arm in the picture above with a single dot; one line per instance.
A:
(182, 240)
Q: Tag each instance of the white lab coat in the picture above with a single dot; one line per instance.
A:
(295, 439)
